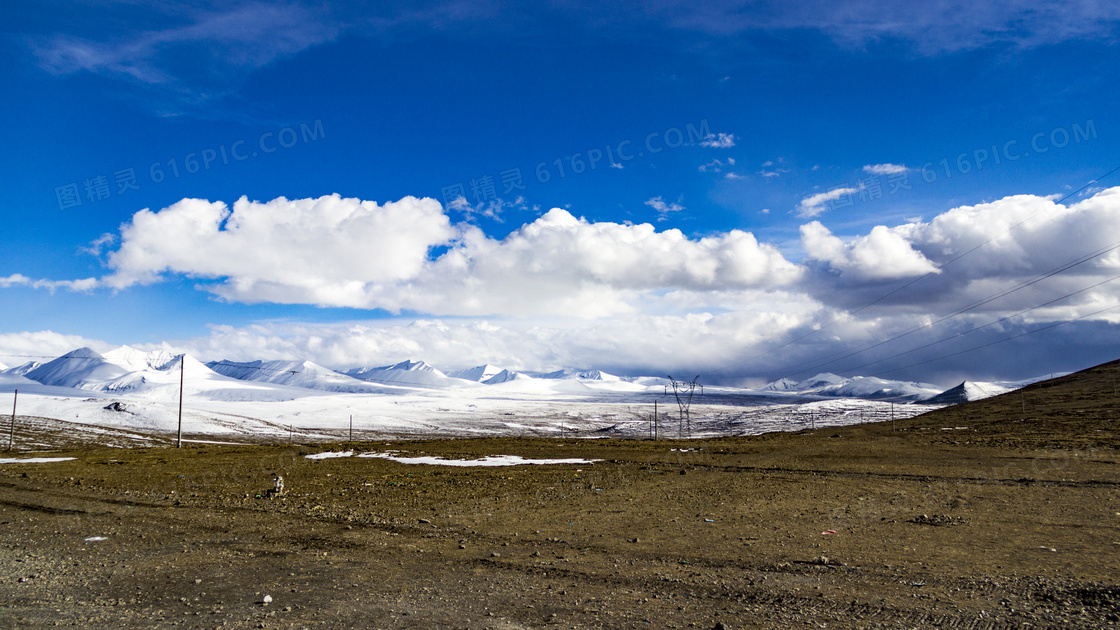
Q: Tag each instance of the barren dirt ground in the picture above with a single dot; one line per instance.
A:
(978, 518)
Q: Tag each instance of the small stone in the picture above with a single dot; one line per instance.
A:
(495, 555)
(266, 600)
(424, 520)
(198, 580)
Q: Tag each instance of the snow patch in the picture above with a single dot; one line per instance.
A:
(490, 460)
(34, 460)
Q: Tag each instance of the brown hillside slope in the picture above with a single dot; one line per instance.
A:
(1079, 411)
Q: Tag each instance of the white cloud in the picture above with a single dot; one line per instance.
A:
(249, 36)
(884, 169)
(20, 280)
(884, 253)
(815, 204)
(718, 140)
(562, 291)
(641, 344)
(332, 251)
(225, 45)
(22, 347)
(328, 251)
(716, 166)
(931, 27)
(732, 176)
(663, 209)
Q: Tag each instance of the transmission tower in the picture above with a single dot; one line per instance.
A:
(683, 392)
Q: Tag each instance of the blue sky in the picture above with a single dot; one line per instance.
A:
(774, 137)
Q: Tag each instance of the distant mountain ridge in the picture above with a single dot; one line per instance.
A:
(128, 369)
(869, 387)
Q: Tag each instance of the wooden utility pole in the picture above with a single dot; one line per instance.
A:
(12, 430)
(351, 427)
(892, 417)
(655, 419)
(182, 371)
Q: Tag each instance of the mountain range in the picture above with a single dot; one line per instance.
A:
(127, 369)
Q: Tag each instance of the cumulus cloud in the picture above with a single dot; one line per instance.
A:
(884, 169)
(815, 204)
(332, 251)
(718, 141)
(884, 253)
(1007, 245)
(326, 251)
(562, 291)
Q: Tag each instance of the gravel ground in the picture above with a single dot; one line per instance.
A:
(957, 519)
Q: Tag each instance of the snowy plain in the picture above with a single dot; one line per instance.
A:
(127, 390)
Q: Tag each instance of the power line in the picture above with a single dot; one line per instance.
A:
(993, 323)
(999, 341)
(971, 307)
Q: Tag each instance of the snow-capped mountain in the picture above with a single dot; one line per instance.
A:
(506, 376)
(579, 375)
(821, 381)
(478, 374)
(869, 387)
(154, 375)
(21, 370)
(132, 359)
(967, 391)
(83, 368)
(127, 369)
(873, 388)
(413, 373)
(780, 385)
(293, 373)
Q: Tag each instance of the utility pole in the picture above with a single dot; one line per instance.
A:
(655, 419)
(892, 417)
(351, 427)
(182, 371)
(12, 431)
